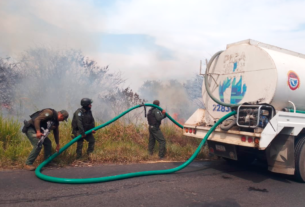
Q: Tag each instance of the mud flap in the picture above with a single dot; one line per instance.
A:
(280, 155)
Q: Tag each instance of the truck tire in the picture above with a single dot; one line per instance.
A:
(299, 154)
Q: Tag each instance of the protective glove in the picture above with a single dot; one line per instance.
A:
(38, 135)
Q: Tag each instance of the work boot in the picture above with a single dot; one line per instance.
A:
(90, 157)
(29, 167)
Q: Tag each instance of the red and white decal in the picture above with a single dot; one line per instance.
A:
(293, 80)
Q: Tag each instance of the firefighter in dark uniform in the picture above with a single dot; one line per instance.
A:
(33, 131)
(154, 118)
(83, 121)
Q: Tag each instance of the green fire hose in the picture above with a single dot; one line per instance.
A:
(207, 88)
(128, 175)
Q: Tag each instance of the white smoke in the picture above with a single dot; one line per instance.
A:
(59, 79)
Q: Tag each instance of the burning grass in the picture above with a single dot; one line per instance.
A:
(116, 143)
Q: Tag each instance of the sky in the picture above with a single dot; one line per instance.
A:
(149, 39)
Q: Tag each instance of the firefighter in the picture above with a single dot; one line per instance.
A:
(154, 118)
(33, 131)
(83, 121)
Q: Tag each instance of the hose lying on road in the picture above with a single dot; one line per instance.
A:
(128, 175)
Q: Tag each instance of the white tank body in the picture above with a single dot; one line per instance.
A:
(250, 71)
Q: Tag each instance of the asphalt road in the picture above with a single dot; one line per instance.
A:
(201, 184)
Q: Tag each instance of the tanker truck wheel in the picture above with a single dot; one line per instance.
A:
(299, 156)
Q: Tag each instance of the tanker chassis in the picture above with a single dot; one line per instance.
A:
(265, 85)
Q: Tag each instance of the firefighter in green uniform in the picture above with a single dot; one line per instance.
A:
(83, 121)
(33, 131)
(154, 118)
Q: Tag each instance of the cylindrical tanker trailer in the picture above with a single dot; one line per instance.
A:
(265, 85)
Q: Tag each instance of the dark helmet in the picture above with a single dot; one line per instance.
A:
(86, 102)
(156, 102)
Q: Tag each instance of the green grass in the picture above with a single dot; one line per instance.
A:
(13, 146)
(116, 143)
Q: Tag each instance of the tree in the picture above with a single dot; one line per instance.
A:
(8, 79)
(193, 88)
(172, 95)
(122, 100)
(150, 90)
(60, 79)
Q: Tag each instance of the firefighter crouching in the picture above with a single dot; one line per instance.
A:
(34, 131)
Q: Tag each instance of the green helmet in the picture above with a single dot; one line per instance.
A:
(65, 114)
(86, 102)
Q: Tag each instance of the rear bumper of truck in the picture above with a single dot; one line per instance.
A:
(233, 137)
(195, 127)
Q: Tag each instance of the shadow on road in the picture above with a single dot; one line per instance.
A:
(257, 172)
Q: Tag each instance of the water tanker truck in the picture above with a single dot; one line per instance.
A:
(265, 85)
